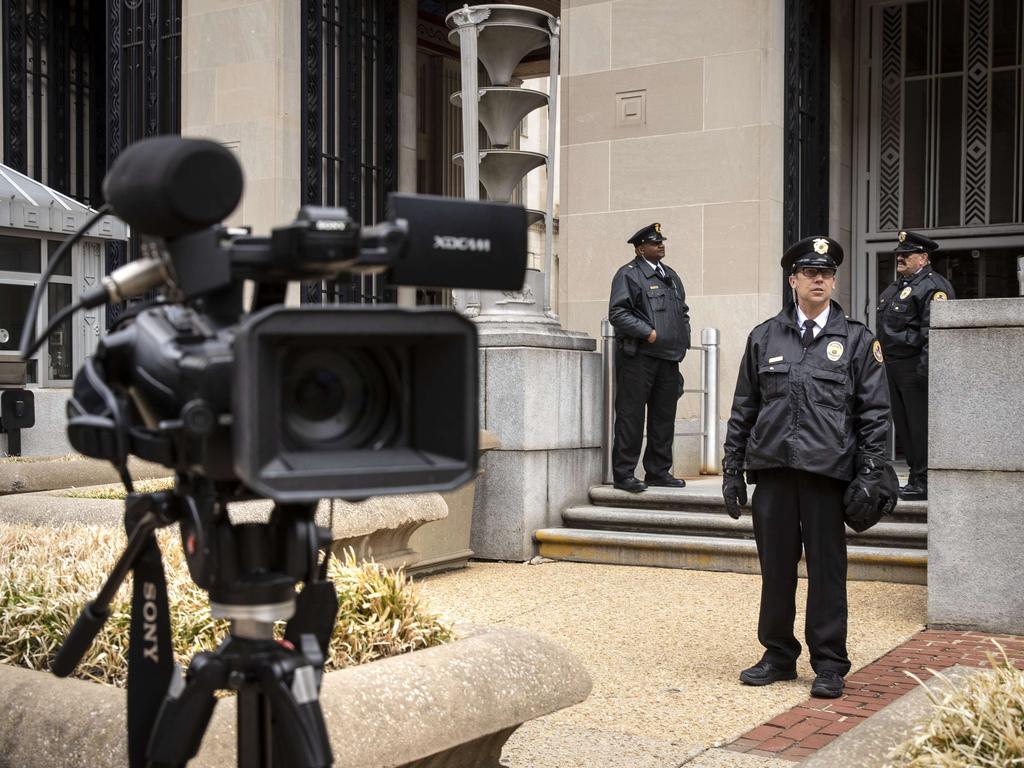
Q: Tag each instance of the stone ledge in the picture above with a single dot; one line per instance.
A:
(45, 473)
(403, 711)
(978, 313)
(868, 745)
(377, 528)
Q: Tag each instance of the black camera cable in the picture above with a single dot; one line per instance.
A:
(124, 282)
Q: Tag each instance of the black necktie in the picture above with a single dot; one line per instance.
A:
(808, 334)
(661, 271)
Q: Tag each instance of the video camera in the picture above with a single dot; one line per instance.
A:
(294, 404)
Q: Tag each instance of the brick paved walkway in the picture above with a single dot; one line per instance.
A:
(811, 725)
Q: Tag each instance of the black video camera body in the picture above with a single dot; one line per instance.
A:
(293, 404)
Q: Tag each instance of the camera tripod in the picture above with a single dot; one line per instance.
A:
(250, 571)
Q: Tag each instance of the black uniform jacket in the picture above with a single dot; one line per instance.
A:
(641, 301)
(904, 316)
(810, 410)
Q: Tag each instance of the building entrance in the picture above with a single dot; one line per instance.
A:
(940, 141)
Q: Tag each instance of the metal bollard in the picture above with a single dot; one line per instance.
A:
(608, 352)
(709, 464)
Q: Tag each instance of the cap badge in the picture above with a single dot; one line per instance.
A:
(820, 245)
(834, 350)
(906, 292)
(903, 236)
(876, 350)
(657, 228)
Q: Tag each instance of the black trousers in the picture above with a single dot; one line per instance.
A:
(908, 393)
(644, 382)
(793, 508)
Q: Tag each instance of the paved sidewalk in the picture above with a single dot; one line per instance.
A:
(664, 647)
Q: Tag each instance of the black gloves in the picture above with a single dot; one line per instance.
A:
(872, 492)
(734, 488)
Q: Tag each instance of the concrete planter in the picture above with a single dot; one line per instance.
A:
(46, 473)
(444, 544)
(453, 706)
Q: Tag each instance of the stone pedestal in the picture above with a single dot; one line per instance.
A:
(541, 397)
(976, 465)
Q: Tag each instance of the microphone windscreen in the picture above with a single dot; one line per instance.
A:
(169, 186)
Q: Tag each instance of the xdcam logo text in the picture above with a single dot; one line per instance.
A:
(453, 243)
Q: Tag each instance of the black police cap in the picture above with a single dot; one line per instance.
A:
(815, 251)
(911, 242)
(649, 234)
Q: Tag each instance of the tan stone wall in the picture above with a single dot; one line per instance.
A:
(705, 159)
(240, 86)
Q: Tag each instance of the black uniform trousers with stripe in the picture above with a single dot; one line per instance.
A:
(796, 510)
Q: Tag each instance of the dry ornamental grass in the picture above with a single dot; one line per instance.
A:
(978, 723)
(47, 575)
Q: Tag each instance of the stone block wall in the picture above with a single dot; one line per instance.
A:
(544, 407)
(976, 465)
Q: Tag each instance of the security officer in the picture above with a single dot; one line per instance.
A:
(808, 424)
(652, 328)
(904, 316)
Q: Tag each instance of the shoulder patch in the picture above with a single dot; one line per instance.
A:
(876, 350)
(939, 296)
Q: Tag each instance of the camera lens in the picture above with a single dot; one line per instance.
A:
(344, 399)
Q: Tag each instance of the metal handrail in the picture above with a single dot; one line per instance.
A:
(709, 338)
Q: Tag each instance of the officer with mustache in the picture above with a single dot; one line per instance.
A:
(904, 317)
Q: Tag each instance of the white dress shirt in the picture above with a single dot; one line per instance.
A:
(819, 321)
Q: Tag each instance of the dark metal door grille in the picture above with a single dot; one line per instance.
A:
(349, 120)
(805, 159)
(950, 117)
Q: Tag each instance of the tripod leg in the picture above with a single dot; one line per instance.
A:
(186, 712)
(300, 733)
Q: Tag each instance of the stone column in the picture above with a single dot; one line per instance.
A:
(240, 86)
(976, 465)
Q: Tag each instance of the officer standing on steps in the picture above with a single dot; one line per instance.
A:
(808, 424)
(904, 317)
(652, 332)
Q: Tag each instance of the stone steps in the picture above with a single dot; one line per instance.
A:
(714, 553)
(706, 496)
(718, 523)
(688, 528)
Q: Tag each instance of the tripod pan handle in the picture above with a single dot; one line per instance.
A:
(89, 623)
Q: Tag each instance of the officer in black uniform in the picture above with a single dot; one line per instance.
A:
(652, 329)
(904, 316)
(808, 424)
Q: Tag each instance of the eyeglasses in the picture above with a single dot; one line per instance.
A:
(813, 272)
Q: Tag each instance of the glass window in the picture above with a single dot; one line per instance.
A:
(950, 150)
(59, 344)
(65, 265)
(14, 301)
(19, 254)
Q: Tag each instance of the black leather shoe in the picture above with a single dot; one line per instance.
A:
(766, 673)
(914, 492)
(828, 685)
(630, 484)
(665, 482)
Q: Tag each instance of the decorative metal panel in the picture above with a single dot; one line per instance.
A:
(953, 127)
(891, 111)
(976, 139)
(15, 85)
